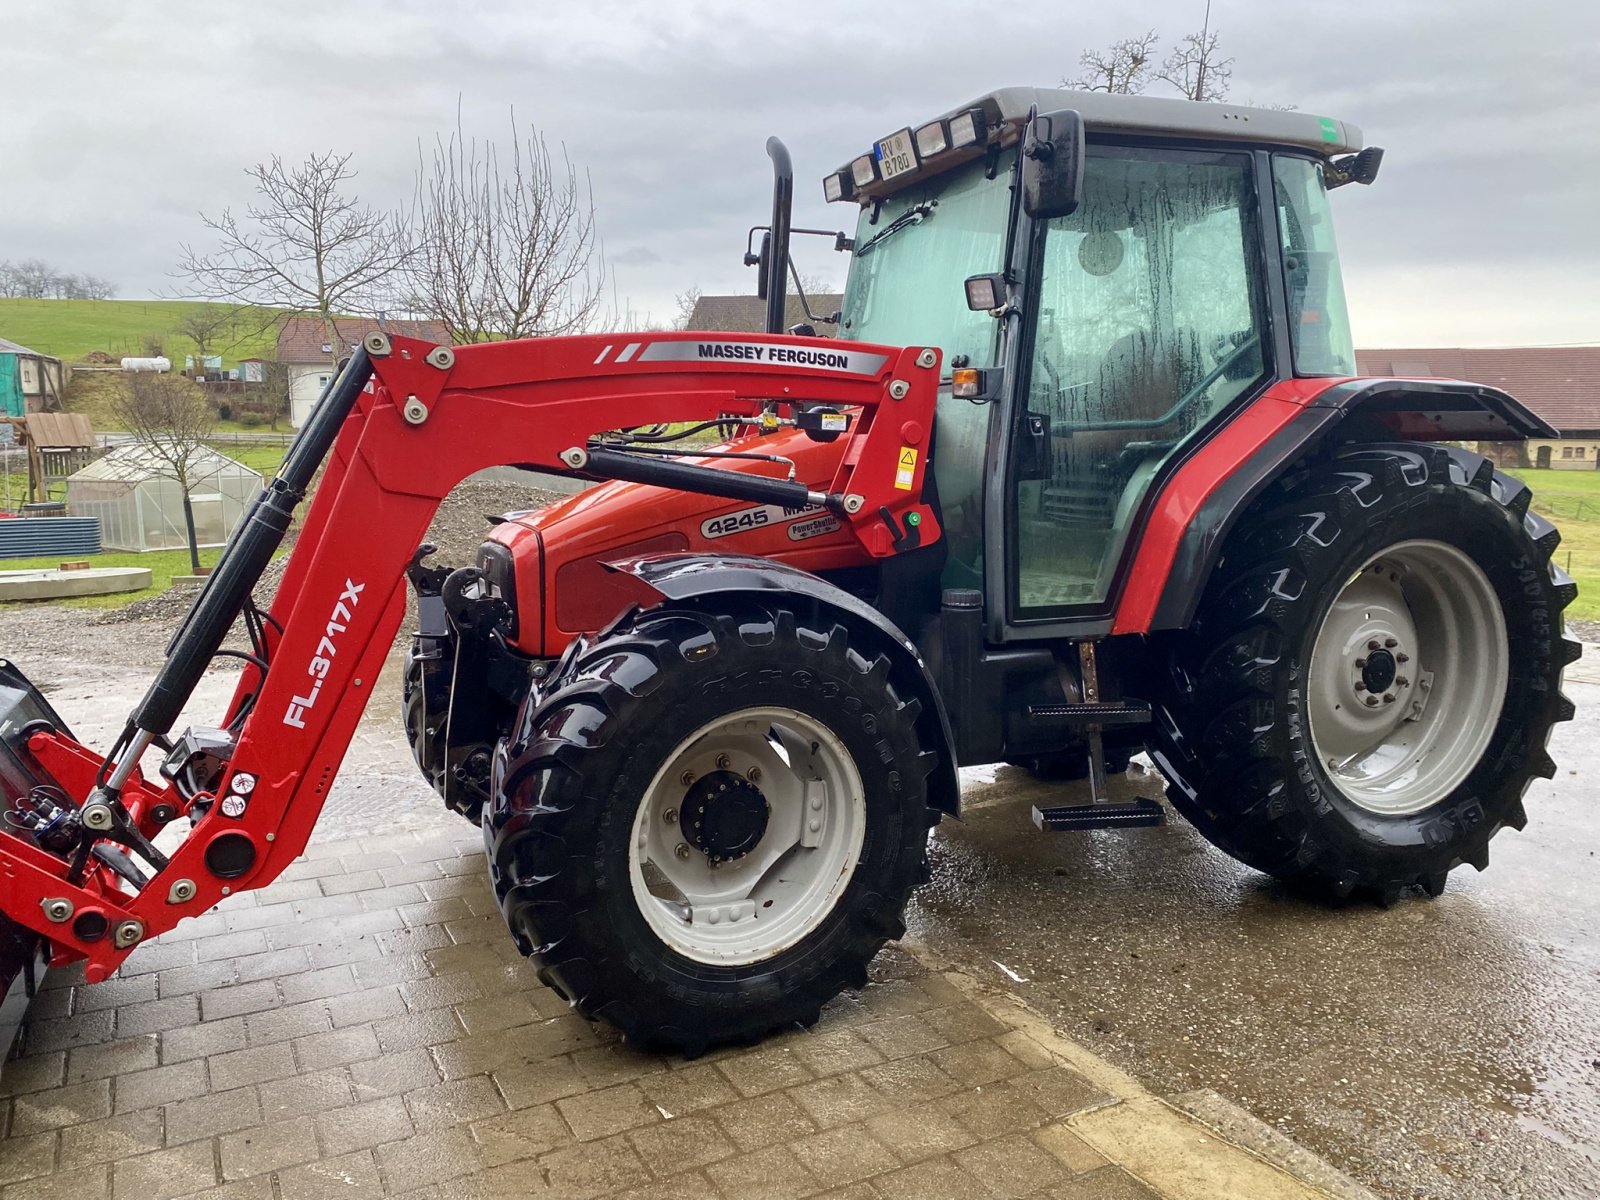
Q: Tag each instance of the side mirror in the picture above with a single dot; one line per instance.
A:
(760, 264)
(1052, 164)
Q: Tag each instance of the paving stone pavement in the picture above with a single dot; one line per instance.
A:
(364, 1028)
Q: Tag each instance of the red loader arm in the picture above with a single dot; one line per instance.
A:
(428, 418)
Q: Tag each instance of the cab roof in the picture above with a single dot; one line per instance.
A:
(1005, 112)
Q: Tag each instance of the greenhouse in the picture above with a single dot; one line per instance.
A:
(133, 492)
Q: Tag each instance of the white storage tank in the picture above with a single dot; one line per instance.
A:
(159, 363)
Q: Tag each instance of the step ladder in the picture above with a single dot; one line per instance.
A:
(1091, 717)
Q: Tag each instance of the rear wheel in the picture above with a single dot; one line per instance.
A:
(706, 825)
(1373, 673)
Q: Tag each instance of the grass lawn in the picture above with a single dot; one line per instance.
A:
(96, 394)
(162, 564)
(70, 329)
(258, 458)
(1571, 499)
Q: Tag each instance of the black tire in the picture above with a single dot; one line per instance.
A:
(569, 781)
(1064, 766)
(1231, 730)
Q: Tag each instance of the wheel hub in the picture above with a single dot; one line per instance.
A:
(1408, 670)
(1379, 671)
(724, 816)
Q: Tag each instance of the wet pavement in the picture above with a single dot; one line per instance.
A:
(1444, 1048)
(363, 1028)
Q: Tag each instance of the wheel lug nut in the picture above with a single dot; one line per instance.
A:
(753, 774)
(681, 850)
(670, 816)
(1402, 658)
(1388, 697)
(686, 778)
(1361, 664)
(1360, 687)
(1374, 644)
(1372, 702)
(1403, 681)
(723, 762)
(1391, 643)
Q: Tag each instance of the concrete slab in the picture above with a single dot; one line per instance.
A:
(54, 585)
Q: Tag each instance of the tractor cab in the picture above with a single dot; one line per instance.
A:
(1135, 270)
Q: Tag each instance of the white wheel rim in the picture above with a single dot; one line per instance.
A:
(753, 907)
(1423, 614)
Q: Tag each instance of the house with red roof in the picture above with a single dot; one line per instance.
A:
(1559, 383)
(312, 352)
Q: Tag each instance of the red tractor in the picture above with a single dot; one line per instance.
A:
(1121, 490)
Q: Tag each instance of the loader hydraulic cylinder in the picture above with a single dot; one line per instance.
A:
(260, 534)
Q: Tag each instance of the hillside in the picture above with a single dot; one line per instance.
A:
(70, 329)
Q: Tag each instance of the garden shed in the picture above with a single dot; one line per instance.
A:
(140, 505)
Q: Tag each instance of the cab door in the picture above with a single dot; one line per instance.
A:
(1147, 323)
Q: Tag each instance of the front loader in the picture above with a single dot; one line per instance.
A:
(1086, 470)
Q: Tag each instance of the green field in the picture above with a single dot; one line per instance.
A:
(1571, 499)
(71, 329)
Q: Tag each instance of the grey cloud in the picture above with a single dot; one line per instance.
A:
(119, 125)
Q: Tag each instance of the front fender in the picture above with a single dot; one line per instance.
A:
(687, 578)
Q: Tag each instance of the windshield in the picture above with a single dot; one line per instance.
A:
(905, 287)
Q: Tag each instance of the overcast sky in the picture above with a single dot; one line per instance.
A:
(120, 122)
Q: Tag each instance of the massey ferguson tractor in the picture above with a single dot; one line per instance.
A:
(1084, 469)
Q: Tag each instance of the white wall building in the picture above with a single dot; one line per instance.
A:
(310, 352)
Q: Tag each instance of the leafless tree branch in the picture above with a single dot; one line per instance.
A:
(1122, 67)
(304, 244)
(171, 418)
(504, 240)
(1196, 66)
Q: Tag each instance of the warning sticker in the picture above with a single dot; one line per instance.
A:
(907, 470)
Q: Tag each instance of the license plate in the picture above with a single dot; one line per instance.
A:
(897, 155)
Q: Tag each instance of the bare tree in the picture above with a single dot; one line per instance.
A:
(1196, 66)
(172, 419)
(504, 240)
(1122, 67)
(33, 279)
(273, 394)
(92, 287)
(207, 326)
(30, 279)
(686, 302)
(305, 244)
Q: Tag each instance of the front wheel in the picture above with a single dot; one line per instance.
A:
(1372, 675)
(707, 824)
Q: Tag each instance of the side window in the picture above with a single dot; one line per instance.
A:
(1149, 324)
(1319, 323)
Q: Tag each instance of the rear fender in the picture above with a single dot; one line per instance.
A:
(688, 578)
(1343, 411)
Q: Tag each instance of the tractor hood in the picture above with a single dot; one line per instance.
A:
(555, 559)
